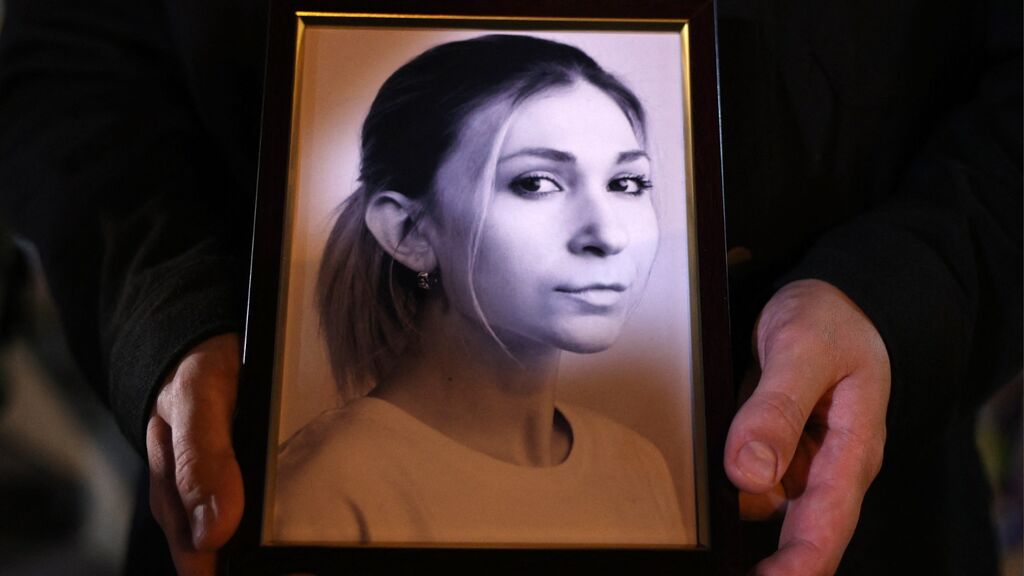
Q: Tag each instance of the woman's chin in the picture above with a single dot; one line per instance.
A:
(590, 339)
(578, 336)
(589, 347)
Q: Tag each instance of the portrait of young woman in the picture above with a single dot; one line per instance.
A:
(488, 334)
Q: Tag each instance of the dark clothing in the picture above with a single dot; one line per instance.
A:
(890, 149)
(873, 145)
(878, 146)
(128, 142)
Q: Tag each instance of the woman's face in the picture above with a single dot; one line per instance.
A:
(569, 233)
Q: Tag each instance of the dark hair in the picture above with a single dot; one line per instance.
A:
(367, 302)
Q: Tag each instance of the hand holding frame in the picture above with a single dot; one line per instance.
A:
(195, 484)
(815, 424)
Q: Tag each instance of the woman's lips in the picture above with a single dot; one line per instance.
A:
(596, 295)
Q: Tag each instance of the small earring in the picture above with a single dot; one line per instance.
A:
(426, 280)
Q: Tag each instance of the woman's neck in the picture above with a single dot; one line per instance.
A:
(461, 382)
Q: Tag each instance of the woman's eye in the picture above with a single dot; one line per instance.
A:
(632, 184)
(534, 185)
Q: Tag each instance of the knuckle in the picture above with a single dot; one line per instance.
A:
(783, 408)
(792, 336)
(203, 376)
(813, 348)
(194, 382)
(814, 338)
(188, 477)
(197, 471)
(869, 449)
(157, 452)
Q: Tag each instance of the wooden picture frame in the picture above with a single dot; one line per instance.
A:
(327, 61)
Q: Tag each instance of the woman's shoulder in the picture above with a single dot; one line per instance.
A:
(321, 471)
(355, 432)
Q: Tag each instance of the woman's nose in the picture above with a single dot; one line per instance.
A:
(599, 229)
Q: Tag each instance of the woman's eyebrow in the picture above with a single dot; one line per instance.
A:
(631, 155)
(568, 158)
(546, 153)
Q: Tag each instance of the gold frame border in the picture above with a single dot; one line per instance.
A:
(281, 328)
(358, 19)
(700, 460)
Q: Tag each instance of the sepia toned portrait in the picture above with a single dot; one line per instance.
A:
(486, 321)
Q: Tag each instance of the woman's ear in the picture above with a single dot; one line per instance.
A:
(395, 221)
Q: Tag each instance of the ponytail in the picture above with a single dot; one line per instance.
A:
(366, 302)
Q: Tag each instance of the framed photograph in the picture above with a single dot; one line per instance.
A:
(487, 319)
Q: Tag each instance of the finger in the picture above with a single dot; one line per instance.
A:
(820, 522)
(198, 406)
(797, 370)
(166, 505)
(208, 480)
(835, 476)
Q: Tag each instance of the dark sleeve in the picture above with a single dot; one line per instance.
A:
(106, 168)
(938, 268)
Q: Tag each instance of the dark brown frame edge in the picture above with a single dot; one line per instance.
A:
(245, 554)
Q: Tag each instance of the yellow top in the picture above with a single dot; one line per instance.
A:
(370, 473)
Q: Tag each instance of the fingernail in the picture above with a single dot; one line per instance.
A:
(203, 516)
(757, 461)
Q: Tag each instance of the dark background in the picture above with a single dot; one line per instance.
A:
(67, 477)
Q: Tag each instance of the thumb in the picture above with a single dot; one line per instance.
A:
(798, 369)
(198, 404)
